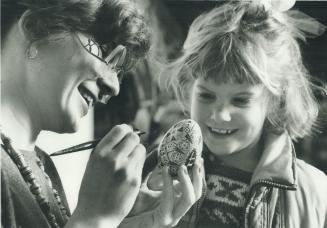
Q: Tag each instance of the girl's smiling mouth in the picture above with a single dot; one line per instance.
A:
(221, 131)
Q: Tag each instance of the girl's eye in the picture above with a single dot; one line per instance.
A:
(206, 96)
(241, 101)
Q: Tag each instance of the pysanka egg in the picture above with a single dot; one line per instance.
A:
(181, 144)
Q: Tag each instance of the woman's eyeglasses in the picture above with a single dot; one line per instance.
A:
(115, 60)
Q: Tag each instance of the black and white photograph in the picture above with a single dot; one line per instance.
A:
(163, 113)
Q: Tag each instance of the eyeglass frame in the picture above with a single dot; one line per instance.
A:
(120, 48)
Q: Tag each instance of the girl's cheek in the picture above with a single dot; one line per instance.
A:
(203, 114)
(254, 117)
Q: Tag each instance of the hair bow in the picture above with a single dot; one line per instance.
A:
(278, 5)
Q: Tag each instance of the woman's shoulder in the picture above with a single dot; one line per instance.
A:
(11, 178)
(6, 162)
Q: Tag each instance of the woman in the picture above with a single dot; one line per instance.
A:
(58, 59)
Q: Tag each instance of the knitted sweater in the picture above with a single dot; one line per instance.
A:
(227, 190)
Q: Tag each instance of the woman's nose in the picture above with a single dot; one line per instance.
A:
(109, 87)
(221, 113)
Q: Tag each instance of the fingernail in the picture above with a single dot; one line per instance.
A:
(130, 126)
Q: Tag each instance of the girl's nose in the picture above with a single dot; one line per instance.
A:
(221, 113)
(109, 87)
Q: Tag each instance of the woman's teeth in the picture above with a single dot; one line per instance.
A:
(87, 95)
(88, 98)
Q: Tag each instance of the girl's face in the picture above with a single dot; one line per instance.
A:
(62, 83)
(231, 116)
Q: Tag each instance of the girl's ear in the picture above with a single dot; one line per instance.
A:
(272, 128)
(186, 106)
(186, 97)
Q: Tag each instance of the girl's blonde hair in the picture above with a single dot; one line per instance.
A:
(242, 42)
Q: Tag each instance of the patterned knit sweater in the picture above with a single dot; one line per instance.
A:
(227, 189)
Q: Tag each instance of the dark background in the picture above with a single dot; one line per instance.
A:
(314, 51)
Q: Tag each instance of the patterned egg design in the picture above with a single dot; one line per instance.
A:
(180, 145)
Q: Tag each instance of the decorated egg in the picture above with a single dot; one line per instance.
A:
(181, 144)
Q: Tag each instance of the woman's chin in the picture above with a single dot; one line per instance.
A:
(70, 123)
(68, 127)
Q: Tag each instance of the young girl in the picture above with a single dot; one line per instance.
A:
(241, 77)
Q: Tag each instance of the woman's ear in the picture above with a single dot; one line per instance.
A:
(23, 23)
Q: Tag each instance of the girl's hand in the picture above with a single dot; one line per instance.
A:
(111, 181)
(165, 208)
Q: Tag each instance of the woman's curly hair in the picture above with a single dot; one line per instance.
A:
(109, 22)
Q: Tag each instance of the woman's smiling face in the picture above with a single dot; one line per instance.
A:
(63, 83)
(231, 116)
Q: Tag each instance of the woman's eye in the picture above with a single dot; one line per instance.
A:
(93, 48)
(120, 75)
(96, 50)
(240, 101)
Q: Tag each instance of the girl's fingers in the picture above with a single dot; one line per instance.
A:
(187, 198)
(178, 198)
(167, 202)
(155, 180)
(197, 177)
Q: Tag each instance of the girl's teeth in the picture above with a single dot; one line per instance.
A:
(222, 131)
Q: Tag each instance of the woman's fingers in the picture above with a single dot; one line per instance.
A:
(137, 157)
(115, 168)
(114, 137)
(122, 150)
(126, 146)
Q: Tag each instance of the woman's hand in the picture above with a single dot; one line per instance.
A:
(111, 181)
(165, 208)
